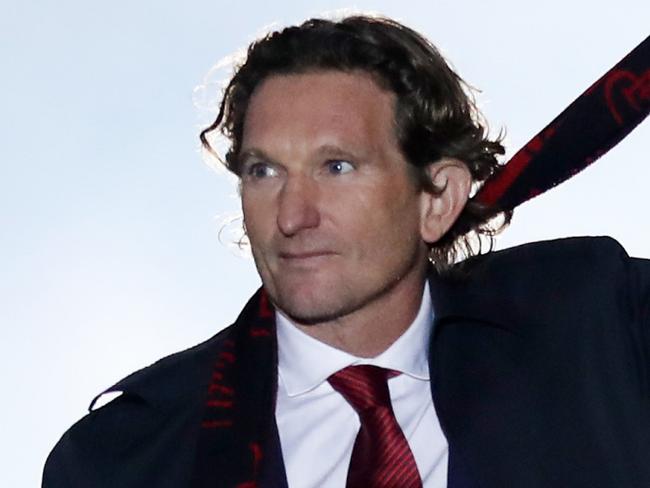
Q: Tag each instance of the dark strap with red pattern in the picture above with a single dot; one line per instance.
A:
(595, 122)
(237, 441)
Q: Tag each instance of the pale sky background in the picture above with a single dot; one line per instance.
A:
(109, 219)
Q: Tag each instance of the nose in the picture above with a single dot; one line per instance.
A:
(298, 206)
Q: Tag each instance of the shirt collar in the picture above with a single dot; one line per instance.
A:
(304, 362)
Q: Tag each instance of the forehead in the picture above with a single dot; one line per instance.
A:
(326, 107)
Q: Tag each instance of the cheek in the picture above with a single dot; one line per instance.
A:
(383, 221)
(257, 218)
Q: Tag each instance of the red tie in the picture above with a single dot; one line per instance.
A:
(381, 457)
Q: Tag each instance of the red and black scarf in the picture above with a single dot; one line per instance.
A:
(594, 123)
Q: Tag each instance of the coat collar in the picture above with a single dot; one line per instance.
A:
(482, 289)
(489, 317)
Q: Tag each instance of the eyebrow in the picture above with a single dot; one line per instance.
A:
(326, 150)
(335, 151)
(251, 153)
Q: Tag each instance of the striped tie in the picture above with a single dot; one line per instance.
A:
(381, 457)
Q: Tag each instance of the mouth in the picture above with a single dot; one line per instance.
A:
(304, 256)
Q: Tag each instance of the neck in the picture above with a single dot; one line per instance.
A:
(370, 330)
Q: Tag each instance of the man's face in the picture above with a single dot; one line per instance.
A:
(331, 211)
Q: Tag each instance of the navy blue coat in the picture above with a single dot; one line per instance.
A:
(540, 368)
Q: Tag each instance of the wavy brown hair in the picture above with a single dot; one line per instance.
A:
(435, 113)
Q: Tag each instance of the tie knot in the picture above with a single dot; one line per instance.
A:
(364, 386)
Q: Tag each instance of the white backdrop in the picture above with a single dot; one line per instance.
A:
(109, 220)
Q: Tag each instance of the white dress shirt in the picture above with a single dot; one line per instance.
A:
(318, 427)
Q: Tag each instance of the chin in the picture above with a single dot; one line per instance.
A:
(312, 308)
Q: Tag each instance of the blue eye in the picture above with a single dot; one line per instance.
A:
(339, 167)
(260, 170)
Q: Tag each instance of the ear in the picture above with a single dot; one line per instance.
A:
(439, 210)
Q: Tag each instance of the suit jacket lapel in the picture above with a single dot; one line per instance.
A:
(480, 384)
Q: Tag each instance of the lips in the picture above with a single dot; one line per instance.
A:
(303, 255)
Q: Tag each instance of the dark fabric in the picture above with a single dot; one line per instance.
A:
(381, 456)
(595, 122)
(540, 367)
(540, 377)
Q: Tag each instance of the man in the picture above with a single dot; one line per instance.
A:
(359, 363)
